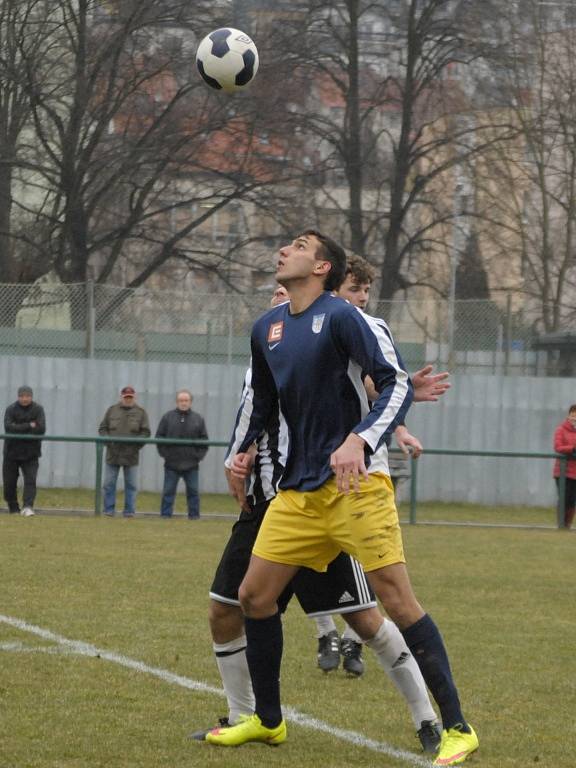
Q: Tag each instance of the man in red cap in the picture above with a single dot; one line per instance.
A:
(123, 419)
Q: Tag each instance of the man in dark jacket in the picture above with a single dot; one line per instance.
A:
(123, 419)
(181, 460)
(24, 417)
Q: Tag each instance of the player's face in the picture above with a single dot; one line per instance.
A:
(354, 292)
(25, 399)
(279, 296)
(299, 260)
(572, 418)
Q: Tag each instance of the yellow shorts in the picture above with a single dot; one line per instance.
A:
(310, 528)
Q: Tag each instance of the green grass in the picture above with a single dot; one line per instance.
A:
(215, 504)
(478, 514)
(82, 499)
(504, 599)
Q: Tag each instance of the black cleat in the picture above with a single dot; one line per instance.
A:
(201, 735)
(430, 734)
(329, 651)
(352, 653)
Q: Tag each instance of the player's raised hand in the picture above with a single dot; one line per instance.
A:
(406, 442)
(347, 463)
(429, 388)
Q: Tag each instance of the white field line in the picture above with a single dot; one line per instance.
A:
(86, 649)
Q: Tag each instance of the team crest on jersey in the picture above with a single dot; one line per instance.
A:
(317, 323)
(275, 332)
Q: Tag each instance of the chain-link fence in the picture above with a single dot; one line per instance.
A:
(103, 321)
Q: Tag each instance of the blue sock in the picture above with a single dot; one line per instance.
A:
(427, 647)
(264, 657)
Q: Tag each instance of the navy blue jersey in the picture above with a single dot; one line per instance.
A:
(307, 371)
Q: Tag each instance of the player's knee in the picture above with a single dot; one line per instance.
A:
(395, 593)
(402, 614)
(247, 598)
(217, 613)
(365, 623)
(254, 602)
(226, 621)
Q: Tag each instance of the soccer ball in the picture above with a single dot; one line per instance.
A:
(227, 59)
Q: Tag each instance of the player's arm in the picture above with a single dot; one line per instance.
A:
(237, 486)
(347, 463)
(255, 405)
(259, 398)
(371, 393)
(370, 346)
(237, 470)
(429, 387)
(408, 444)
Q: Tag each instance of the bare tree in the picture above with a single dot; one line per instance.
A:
(127, 154)
(385, 116)
(23, 28)
(528, 189)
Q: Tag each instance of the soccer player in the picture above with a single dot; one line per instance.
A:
(357, 282)
(355, 288)
(342, 589)
(335, 494)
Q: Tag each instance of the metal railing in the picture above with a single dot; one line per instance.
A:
(100, 443)
(563, 458)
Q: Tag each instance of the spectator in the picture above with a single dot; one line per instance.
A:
(24, 417)
(565, 442)
(181, 461)
(123, 419)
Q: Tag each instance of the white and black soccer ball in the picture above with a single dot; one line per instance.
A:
(227, 59)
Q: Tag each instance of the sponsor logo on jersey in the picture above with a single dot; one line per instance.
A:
(346, 597)
(275, 334)
(318, 322)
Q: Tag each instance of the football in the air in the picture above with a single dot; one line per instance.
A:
(227, 59)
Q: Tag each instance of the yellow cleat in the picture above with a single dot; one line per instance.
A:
(249, 728)
(456, 746)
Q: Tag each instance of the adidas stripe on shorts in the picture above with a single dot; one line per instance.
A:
(343, 588)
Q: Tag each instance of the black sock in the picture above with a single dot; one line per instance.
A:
(427, 647)
(264, 656)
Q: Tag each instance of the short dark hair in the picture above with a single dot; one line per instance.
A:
(572, 408)
(360, 269)
(335, 254)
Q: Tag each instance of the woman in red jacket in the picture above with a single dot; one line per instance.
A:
(565, 442)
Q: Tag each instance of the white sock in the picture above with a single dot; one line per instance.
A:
(233, 668)
(401, 667)
(324, 624)
(351, 635)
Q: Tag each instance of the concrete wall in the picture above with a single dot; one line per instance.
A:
(479, 413)
(75, 394)
(491, 413)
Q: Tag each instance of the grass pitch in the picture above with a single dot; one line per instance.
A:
(503, 598)
(82, 499)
